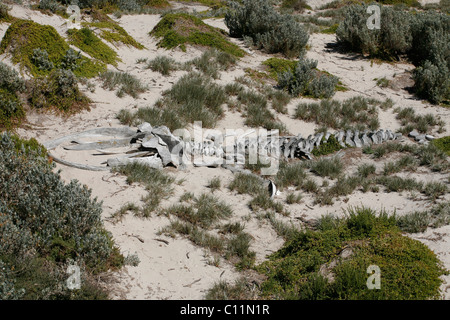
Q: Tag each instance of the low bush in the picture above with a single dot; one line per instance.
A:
(23, 37)
(11, 109)
(45, 225)
(327, 167)
(163, 64)
(59, 90)
(422, 123)
(267, 28)
(156, 182)
(354, 113)
(86, 40)
(424, 37)
(306, 80)
(125, 83)
(443, 144)
(180, 29)
(311, 266)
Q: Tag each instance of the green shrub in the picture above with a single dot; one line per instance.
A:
(306, 80)
(443, 144)
(162, 64)
(156, 182)
(4, 15)
(246, 184)
(45, 223)
(424, 37)
(126, 83)
(297, 5)
(112, 32)
(432, 82)
(58, 90)
(179, 29)
(25, 36)
(277, 66)
(353, 113)
(327, 167)
(11, 109)
(327, 147)
(51, 5)
(267, 28)
(86, 40)
(310, 266)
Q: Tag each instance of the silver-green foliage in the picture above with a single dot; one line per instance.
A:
(305, 79)
(268, 29)
(38, 208)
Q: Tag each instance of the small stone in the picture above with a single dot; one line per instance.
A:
(429, 137)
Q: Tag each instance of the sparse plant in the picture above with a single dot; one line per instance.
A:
(162, 64)
(214, 184)
(125, 83)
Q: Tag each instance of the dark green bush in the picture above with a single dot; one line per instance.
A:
(180, 29)
(311, 266)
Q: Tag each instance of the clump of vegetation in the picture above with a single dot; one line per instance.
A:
(111, 31)
(23, 37)
(156, 182)
(419, 221)
(267, 29)
(4, 15)
(237, 291)
(205, 211)
(422, 123)
(180, 29)
(327, 147)
(306, 80)
(212, 61)
(296, 5)
(59, 91)
(200, 216)
(193, 98)
(246, 184)
(327, 167)
(214, 184)
(11, 85)
(47, 225)
(50, 5)
(277, 66)
(443, 144)
(423, 37)
(257, 113)
(312, 265)
(126, 83)
(86, 40)
(354, 113)
(163, 64)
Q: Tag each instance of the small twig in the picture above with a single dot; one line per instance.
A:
(189, 285)
(162, 240)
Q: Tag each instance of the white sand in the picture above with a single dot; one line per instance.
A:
(180, 270)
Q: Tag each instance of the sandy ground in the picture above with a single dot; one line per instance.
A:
(178, 269)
